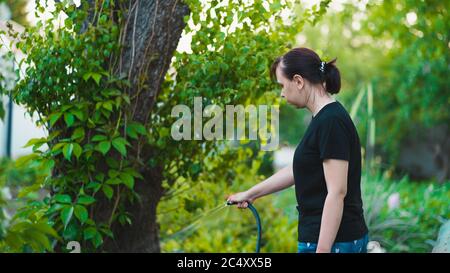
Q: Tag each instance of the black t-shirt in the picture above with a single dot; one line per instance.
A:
(330, 135)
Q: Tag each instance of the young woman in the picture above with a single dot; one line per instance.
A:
(326, 169)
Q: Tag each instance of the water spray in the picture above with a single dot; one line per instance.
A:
(197, 222)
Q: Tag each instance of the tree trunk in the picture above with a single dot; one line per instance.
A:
(151, 35)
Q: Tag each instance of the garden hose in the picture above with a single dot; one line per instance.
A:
(258, 222)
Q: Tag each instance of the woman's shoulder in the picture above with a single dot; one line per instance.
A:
(335, 113)
(337, 120)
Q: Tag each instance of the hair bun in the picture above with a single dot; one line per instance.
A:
(332, 77)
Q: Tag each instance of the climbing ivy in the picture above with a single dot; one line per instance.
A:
(69, 82)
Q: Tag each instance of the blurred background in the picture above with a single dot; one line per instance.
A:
(394, 62)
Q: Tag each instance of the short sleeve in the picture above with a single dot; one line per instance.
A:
(334, 140)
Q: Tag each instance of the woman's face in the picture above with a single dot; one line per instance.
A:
(294, 91)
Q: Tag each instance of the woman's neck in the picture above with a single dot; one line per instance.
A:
(319, 101)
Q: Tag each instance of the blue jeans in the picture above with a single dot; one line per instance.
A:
(356, 246)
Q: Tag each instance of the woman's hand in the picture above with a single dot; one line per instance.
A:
(241, 198)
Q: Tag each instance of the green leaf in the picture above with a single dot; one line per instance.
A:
(105, 73)
(108, 105)
(108, 191)
(58, 146)
(49, 164)
(99, 138)
(68, 23)
(85, 200)
(126, 98)
(81, 213)
(100, 177)
(45, 228)
(113, 181)
(77, 150)
(134, 128)
(53, 118)
(25, 160)
(113, 163)
(89, 233)
(69, 119)
(131, 132)
(127, 179)
(78, 133)
(71, 231)
(119, 144)
(35, 141)
(97, 240)
(163, 132)
(133, 172)
(196, 168)
(108, 232)
(95, 186)
(113, 173)
(66, 107)
(63, 198)
(54, 208)
(66, 215)
(111, 92)
(103, 147)
(95, 76)
(40, 241)
(140, 128)
(79, 114)
(87, 76)
(13, 240)
(67, 150)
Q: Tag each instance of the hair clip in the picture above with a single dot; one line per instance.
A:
(322, 67)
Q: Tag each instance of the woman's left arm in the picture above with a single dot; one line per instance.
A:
(335, 171)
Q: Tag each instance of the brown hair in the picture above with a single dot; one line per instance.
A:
(306, 63)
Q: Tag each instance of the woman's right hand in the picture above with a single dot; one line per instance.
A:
(241, 198)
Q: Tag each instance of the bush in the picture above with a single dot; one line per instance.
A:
(23, 225)
(412, 223)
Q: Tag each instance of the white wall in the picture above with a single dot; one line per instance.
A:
(23, 129)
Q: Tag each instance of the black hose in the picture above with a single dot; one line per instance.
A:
(258, 223)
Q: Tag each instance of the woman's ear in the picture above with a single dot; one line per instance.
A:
(299, 81)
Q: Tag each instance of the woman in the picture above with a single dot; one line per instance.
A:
(326, 169)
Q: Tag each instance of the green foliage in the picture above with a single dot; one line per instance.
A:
(197, 220)
(226, 66)
(29, 229)
(414, 225)
(414, 80)
(69, 82)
